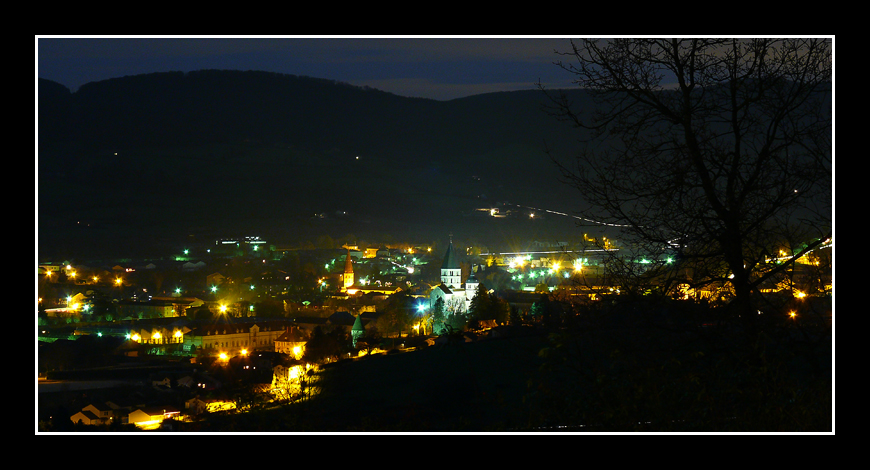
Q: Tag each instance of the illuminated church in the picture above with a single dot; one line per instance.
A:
(345, 279)
(456, 295)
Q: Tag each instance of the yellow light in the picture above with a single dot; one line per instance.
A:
(792, 314)
(223, 356)
(156, 335)
(798, 294)
(118, 281)
(178, 334)
(578, 265)
(297, 350)
(244, 352)
(135, 337)
(223, 309)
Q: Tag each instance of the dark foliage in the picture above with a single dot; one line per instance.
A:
(662, 367)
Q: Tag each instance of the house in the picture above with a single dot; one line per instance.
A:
(341, 318)
(86, 417)
(150, 309)
(94, 414)
(215, 279)
(101, 410)
(191, 266)
(291, 342)
(287, 377)
(198, 405)
(180, 304)
(151, 415)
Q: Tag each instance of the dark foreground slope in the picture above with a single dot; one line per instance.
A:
(644, 375)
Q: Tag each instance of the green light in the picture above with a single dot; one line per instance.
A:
(214, 288)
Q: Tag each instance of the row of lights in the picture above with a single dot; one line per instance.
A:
(72, 274)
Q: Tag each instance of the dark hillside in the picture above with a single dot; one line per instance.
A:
(167, 154)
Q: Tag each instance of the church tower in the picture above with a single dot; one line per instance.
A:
(347, 277)
(471, 286)
(357, 331)
(451, 271)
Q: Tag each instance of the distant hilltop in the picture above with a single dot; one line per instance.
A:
(318, 115)
(228, 150)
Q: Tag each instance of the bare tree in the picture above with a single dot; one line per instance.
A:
(714, 149)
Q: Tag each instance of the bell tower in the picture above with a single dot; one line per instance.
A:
(347, 276)
(451, 271)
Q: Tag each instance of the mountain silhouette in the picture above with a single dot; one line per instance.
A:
(135, 162)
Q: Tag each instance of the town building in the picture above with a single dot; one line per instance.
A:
(231, 338)
(457, 296)
(346, 278)
(291, 342)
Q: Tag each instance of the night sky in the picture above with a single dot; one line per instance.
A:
(425, 67)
